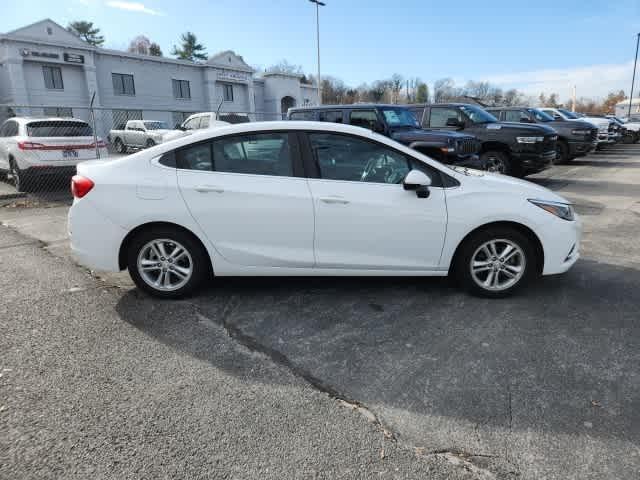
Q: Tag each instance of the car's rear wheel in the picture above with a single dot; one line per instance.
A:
(497, 161)
(495, 262)
(562, 152)
(167, 262)
(120, 146)
(21, 180)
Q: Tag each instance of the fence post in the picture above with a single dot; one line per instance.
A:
(93, 124)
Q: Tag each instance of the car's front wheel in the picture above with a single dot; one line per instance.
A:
(120, 146)
(499, 162)
(562, 152)
(167, 262)
(495, 262)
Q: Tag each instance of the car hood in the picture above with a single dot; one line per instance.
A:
(503, 183)
(573, 124)
(173, 134)
(417, 134)
(522, 128)
(598, 122)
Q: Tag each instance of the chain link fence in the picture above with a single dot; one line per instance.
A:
(40, 146)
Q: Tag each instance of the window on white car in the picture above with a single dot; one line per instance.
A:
(345, 157)
(258, 154)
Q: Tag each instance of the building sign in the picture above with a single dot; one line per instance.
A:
(26, 52)
(233, 75)
(73, 58)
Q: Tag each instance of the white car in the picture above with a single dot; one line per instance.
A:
(602, 124)
(31, 148)
(309, 198)
(193, 123)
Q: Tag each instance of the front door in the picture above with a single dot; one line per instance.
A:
(364, 217)
(242, 192)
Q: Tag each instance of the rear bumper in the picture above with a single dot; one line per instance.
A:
(47, 170)
(95, 240)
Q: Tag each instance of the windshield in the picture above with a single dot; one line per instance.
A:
(59, 128)
(156, 125)
(568, 114)
(478, 115)
(540, 115)
(399, 117)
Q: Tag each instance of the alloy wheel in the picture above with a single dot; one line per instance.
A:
(497, 265)
(165, 264)
(496, 164)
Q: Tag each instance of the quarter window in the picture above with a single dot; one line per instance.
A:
(440, 116)
(259, 154)
(52, 78)
(123, 84)
(227, 92)
(363, 118)
(334, 116)
(343, 157)
(181, 89)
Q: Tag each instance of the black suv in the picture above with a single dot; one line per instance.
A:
(513, 149)
(400, 124)
(575, 137)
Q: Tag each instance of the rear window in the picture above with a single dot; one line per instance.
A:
(59, 128)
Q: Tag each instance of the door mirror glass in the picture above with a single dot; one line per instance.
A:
(416, 179)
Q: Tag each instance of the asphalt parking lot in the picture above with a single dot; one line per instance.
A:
(245, 380)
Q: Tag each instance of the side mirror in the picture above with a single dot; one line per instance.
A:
(454, 122)
(557, 117)
(417, 181)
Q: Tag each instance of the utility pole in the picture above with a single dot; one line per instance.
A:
(633, 80)
(318, 5)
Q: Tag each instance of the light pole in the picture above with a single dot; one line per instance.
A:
(633, 80)
(318, 5)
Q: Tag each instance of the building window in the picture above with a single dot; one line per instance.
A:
(123, 84)
(62, 112)
(52, 78)
(227, 92)
(181, 89)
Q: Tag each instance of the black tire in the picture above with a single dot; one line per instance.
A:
(21, 180)
(497, 161)
(150, 143)
(562, 152)
(3, 175)
(200, 261)
(463, 261)
(120, 146)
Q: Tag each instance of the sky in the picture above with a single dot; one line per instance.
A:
(542, 46)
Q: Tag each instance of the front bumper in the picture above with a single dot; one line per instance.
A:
(561, 246)
(534, 162)
(469, 161)
(578, 147)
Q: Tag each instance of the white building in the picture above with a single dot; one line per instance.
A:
(44, 66)
(622, 108)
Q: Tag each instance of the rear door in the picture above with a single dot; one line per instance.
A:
(248, 195)
(364, 217)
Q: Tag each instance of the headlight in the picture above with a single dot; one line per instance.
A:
(580, 131)
(530, 139)
(562, 210)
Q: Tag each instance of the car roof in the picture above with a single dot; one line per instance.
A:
(46, 119)
(347, 106)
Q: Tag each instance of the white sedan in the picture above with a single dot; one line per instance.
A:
(307, 198)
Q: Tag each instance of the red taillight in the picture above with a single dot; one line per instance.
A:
(80, 186)
(30, 146)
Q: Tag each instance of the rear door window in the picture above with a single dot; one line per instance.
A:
(440, 116)
(515, 116)
(257, 154)
(58, 128)
(334, 116)
(363, 118)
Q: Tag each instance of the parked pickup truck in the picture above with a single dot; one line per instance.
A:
(515, 149)
(138, 134)
(400, 124)
(574, 137)
(563, 115)
(195, 122)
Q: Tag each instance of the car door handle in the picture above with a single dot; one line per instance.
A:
(334, 200)
(209, 188)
